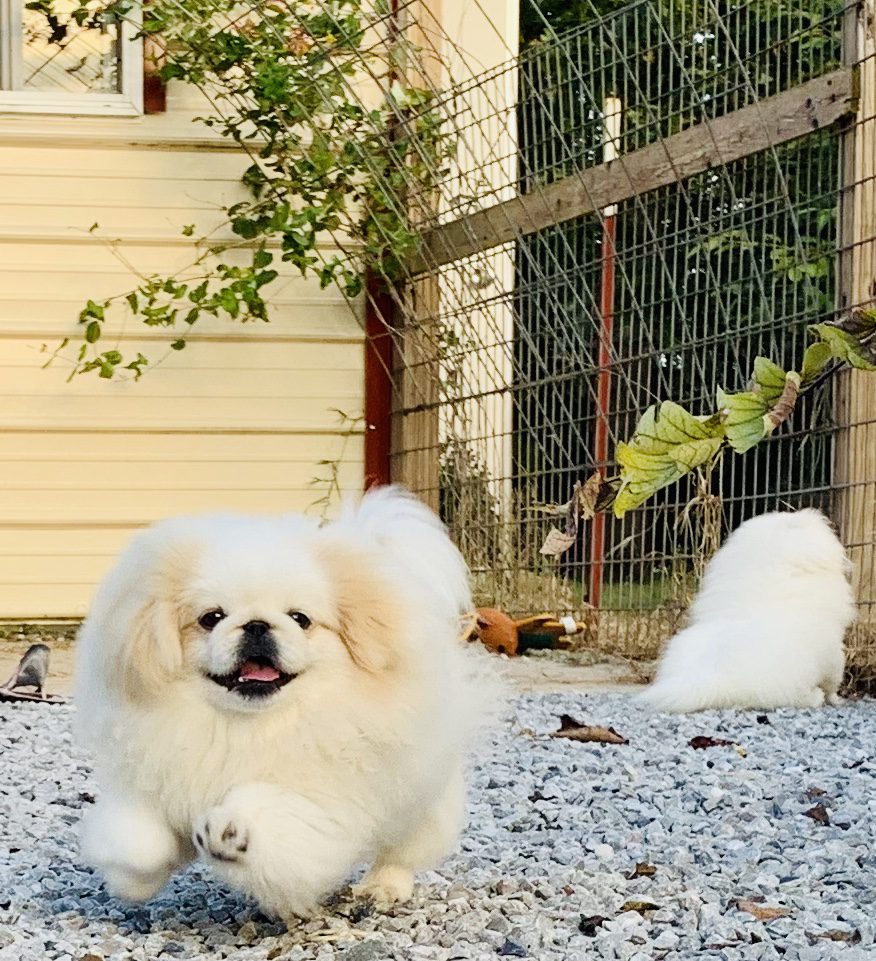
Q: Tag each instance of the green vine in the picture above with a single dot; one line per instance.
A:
(282, 80)
(670, 442)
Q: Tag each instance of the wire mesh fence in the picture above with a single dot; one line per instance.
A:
(620, 212)
(530, 339)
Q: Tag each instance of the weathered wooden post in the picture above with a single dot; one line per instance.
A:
(855, 465)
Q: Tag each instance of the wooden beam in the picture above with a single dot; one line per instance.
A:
(791, 114)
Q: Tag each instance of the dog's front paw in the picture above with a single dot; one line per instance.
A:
(219, 835)
(385, 886)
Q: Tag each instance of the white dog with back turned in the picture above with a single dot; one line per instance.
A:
(766, 628)
(282, 699)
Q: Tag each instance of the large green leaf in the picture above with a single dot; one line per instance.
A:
(768, 380)
(814, 360)
(669, 442)
(754, 414)
(845, 346)
(744, 424)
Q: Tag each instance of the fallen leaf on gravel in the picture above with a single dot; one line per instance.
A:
(761, 911)
(588, 924)
(700, 742)
(849, 937)
(818, 814)
(642, 870)
(815, 792)
(576, 731)
(640, 906)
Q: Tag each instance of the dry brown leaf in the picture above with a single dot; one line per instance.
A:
(819, 814)
(589, 923)
(848, 937)
(702, 741)
(299, 42)
(588, 495)
(588, 499)
(814, 792)
(557, 542)
(573, 511)
(761, 911)
(642, 870)
(640, 906)
(784, 406)
(576, 731)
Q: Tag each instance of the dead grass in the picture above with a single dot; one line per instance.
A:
(861, 660)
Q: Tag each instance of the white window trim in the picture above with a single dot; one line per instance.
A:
(127, 103)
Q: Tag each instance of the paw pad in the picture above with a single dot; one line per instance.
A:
(220, 839)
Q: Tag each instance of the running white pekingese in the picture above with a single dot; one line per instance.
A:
(284, 700)
(766, 628)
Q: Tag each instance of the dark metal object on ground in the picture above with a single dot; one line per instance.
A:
(32, 671)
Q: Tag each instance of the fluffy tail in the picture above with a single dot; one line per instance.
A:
(415, 539)
(418, 544)
(671, 696)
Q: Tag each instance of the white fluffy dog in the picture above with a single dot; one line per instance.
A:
(282, 699)
(766, 628)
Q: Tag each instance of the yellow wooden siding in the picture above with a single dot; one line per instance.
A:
(239, 420)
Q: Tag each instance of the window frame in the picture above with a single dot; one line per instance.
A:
(128, 102)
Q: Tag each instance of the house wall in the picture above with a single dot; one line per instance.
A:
(238, 420)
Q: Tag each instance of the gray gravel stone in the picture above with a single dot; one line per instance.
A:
(372, 950)
(556, 828)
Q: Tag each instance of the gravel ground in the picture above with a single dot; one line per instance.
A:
(544, 870)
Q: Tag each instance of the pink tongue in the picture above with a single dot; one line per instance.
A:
(250, 671)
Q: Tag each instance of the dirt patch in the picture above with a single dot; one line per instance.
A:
(573, 670)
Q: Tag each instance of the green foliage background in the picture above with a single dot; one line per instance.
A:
(285, 81)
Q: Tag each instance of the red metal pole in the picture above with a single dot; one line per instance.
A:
(378, 382)
(379, 353)
(610, 146)
(603, 400)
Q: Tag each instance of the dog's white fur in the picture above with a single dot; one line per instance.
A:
(359, 758)
(766, 628)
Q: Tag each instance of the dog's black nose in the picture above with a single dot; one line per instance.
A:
(256, 628)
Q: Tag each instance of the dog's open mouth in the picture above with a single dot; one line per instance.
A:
(254, 677)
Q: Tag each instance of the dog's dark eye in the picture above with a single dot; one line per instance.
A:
(301, 619)
(209, 619)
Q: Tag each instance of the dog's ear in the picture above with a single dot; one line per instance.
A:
(132, 635)
(152, 653)
(375, 616)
